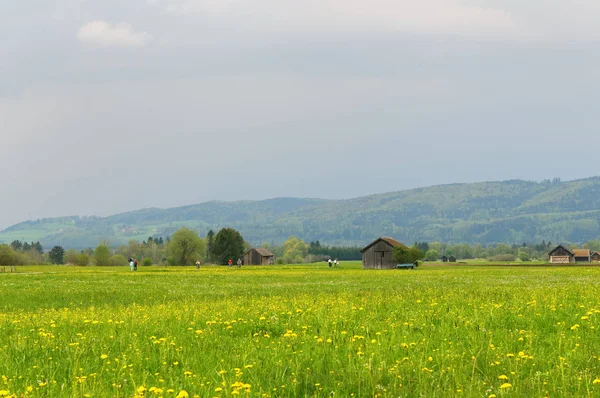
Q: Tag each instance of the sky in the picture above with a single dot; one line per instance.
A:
(114, 105)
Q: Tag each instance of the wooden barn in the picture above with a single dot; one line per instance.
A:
(595, 257)
(582, 255)
(444, 259)
(378, 254)
(561, 255)
(259, 256)
(451, 259)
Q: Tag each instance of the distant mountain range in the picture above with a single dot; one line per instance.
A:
(490, 212)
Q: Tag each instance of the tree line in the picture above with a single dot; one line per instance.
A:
(186, 247)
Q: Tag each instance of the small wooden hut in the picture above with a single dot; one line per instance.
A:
(595, 257)
(582, 255)
(259, 256)
(444, 259)
(561, 255)
(378, 254)
(451, 259)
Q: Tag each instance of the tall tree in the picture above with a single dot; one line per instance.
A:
(186, 247)
(56, 255)
(210, 240)
(228, 245)
(102, 255)
(294, 250)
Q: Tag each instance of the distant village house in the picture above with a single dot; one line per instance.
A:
(595, 257)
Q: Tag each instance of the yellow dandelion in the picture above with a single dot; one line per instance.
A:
(505, 386)
(503, 377)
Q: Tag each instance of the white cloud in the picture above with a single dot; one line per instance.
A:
(423, 16)
(104, 34)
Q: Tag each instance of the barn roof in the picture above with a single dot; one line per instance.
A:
(390, 241)
(262, 252)
(581, 252)
(561, 246)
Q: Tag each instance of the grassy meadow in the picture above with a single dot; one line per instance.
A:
(300, 331)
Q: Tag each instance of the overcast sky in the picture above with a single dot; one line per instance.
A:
(114, 105)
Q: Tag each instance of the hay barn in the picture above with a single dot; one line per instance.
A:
(582, 255)
(561, 255)
(259, 256)
(378, 254)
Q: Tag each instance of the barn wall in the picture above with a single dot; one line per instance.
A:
(561, 259)
(265, 260)
(252, 258)
(372, 255)
(559, 252)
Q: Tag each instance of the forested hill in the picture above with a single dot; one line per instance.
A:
(490, 212)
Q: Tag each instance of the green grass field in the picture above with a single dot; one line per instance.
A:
(300, 331)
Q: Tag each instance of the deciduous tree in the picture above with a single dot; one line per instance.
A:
(186, 247)
(102, 255)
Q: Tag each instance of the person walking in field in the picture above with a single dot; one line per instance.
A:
(329, 261)
(335, 263)
(135, 264)
(197, 264)
(239, 263)
(229, 263)
(131, 264)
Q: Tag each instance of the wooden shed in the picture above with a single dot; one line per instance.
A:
(378, 254)
(582, 255)
(451, 259)
(561, 255)
(595, 257)
(259, 256)
(444, 259)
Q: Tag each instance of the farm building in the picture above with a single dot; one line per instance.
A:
(595, 257)
(378, 254)
(444, 259)
(259, 256)
(561, 255)
(451, 259)
(581, 255)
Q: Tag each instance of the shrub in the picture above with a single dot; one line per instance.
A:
(147, 262)
(524, 256)
(503, 257)
(83, 259)
(118, 260)
(280, 261)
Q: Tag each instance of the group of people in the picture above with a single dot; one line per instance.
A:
(133, 264)
(239, 263)
(333, 263)
(229, 263)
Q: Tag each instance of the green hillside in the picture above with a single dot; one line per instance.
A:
(489, 212)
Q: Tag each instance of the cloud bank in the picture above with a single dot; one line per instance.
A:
(104, 34)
